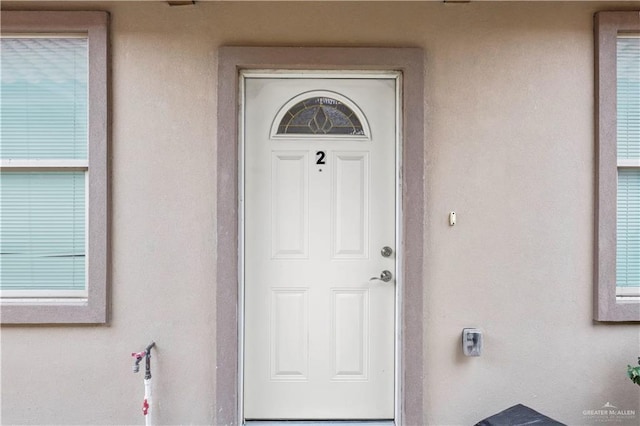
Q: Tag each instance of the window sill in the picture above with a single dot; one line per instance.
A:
(51, 311)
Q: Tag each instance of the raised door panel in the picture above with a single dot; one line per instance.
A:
(350, 202)
(290, 205)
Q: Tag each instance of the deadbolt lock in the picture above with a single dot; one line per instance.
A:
(386, 251)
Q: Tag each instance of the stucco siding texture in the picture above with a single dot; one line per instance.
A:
(509, 146)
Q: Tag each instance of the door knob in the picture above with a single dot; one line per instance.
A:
(386, 251)
(384, 276)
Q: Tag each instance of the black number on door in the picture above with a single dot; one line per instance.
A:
(320, 157)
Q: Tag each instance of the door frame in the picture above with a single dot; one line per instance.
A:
(409, 62)
(394, 76)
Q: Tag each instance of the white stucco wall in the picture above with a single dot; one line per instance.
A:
(509, 146)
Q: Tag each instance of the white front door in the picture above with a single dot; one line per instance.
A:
(319, 231)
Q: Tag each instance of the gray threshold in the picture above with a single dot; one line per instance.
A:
(319, 422)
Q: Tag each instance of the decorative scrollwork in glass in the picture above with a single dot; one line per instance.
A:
(320, 116)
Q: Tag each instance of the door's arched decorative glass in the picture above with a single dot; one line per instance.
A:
(320, 116)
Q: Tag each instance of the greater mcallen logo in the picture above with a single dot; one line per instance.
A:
(609, 413)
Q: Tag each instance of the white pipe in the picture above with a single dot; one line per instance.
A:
(148, 403)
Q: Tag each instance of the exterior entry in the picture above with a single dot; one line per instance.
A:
(319, 245)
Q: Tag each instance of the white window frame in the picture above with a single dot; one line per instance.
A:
(88, 306)
(610, 304)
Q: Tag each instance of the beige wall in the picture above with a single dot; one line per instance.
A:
(509, 147)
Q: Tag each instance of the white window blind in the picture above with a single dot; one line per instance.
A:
(628, 149)
(44, 98)
(42, 227)
(43, 119)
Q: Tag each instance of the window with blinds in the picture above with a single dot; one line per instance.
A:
(43, 150)
(628, 155)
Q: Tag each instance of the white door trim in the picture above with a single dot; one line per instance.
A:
(399, 254)
(410, 63)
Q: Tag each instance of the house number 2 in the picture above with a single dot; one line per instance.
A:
(320, 157)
